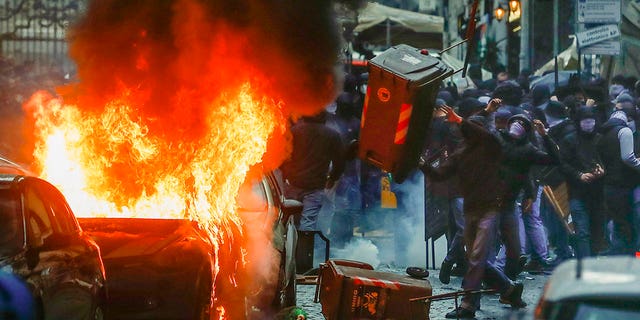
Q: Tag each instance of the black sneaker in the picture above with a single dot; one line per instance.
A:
(459, 270)
(445, 271)
(533, 265)
(461, 313)
(515, 297)
(539, 266)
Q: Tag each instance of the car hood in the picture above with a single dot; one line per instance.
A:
(133, 237)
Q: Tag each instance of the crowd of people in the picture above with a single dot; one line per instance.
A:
(532, 178)
(526, 177)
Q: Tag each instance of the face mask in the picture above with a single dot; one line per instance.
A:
(587, 125)
(632, 125)
(517, 130)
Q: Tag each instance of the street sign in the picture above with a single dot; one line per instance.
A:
(609, 47)
(599, 11)
(597, 34)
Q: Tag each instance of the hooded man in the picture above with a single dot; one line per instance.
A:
(621, 166)
(477, 163)
(443, 198)
(560, 128)
(510, 94)
(519, 155)
(540, 98)
(582, 166)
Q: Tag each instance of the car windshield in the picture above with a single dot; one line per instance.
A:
(11, 231)
(606, 312)
(595, 310)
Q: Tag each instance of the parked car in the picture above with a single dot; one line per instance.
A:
(597, 288)
(42, 243)
(165, 268)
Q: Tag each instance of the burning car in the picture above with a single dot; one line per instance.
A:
(43, 244)
(170, 113)
(166, 269)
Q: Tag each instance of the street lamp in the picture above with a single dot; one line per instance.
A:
(513, 12)
(499, 13)
(513, 5)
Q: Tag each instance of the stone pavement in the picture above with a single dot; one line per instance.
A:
(490, 306)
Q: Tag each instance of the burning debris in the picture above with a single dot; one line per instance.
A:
(178, 101)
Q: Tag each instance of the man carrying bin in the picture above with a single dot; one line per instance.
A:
(477, 163)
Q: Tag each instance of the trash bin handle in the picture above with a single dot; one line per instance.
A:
(316, 298)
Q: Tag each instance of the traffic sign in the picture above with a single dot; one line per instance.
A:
(597, 34)
(609, 47)
(599, 11)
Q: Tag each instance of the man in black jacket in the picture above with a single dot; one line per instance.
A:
(476, 163)
(316, 163)
(621, 167)
(443, 197)
(560, 127)
(519, 155)
(582, 167)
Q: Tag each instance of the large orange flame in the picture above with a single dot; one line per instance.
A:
(195, 180)
(179, 102)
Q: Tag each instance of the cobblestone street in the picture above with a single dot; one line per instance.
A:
(490, 306)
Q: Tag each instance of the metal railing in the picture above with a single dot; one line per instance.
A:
(33, 33)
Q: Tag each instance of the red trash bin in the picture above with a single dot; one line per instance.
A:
(353, 290)
(401, 92)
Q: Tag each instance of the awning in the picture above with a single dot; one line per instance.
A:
(375, 13)
(567, 60)
(386, 26)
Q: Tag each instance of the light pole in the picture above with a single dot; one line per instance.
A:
(525, 35)
(511, 11)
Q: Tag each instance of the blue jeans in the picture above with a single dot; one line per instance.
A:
(636, 216)
(532, 234)
(619, 202)
(312, 203)
(509, 222)
(558, 236)
(480, 236)
(455, 240)
(533, 238)
(580, 213)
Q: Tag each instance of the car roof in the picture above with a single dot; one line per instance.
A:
(9, 167)
(601, 277)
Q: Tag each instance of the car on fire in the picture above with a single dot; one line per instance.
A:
(42, 243)
(165, 268)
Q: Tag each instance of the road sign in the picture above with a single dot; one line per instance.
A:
(597, 34)
(609, 47)
(599, 11)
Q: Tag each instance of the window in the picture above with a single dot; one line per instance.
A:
(65, 222)
(40, 226)
(11, 235)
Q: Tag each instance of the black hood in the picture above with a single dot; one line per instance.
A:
(585, 113)
(611, 124)
(540, 94)
(524, 119)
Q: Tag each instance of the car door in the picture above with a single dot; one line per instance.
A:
(67, 270)
(11, 225)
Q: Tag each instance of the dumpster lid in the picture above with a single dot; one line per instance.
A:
(405, 61)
